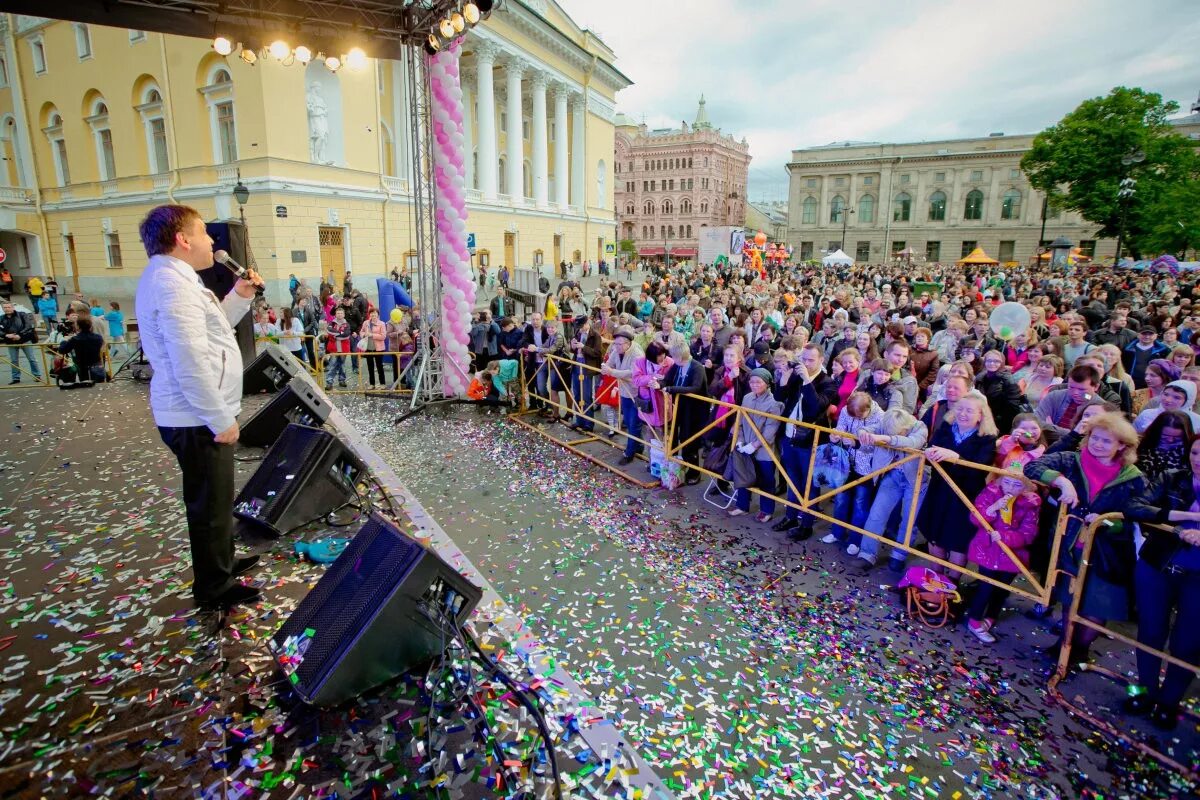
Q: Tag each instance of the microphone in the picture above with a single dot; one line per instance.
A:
(223, 257)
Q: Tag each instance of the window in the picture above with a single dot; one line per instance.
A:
(967, 247)
(977, 175)
(668, 206)
(1010, 206)
(1014, 173)
(811, 183)
(38, 49)
(806, 251)
(866, 208)
(112, 246)
(839, 181)
(1053, 211)
(685, 206)
(3, 73)
(538, 257)
(671, 231)
(835, 209)
(939, 177)
(869, 180)
(898, 246)
(1007, 248)
(136, 36)
(973, 209)
(902, 208)
(905, 179)
(648, 208)
(834, 245)
(862, 252)
(227, 133)
(83, 41)
(654, 186)
(525, 126)
(933, 251)
(503, 122)
(108, 164)
(689, 231)
(58, 147)
(1087, 247)
(222, 124)
(937, 207)
(151, 111)
(704, 207)
(808, 211)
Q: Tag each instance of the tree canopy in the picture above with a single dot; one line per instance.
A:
(1079, 163)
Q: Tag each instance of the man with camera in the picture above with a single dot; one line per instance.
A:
(17, 330)
(84, 346)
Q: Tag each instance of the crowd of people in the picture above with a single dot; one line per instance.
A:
(1091, 409)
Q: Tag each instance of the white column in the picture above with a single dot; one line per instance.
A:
(560, 146)
(489, 175)
(515, 150)
(541, 155)
(578, 196)
(469, 131)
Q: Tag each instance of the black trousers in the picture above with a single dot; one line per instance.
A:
(207, 469)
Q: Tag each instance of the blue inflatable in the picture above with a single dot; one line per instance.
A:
(391, 295)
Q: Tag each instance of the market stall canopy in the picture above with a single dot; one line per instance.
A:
(978, 257)
(651, 251)
(837, 258)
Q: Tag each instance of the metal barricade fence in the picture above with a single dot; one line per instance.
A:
(31, 364)
(353, 364)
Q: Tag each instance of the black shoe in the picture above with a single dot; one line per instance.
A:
(1139, 705)
(786, 524)
(624, 460)
(896, 565)
(233, 596)
(693, 479)
(243, 565)
(801, 534)
(14, 381)
(1165, 718)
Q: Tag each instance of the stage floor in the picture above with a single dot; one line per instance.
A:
(736, 664)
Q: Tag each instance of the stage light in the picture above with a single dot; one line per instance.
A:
(485, 6)
(356, 59)
(433, 44)
(303, 54)
(249, 56)
(457, 22)
(333, 63)
(471, 13)
(223, 46)
(446, 28)
(279, 50)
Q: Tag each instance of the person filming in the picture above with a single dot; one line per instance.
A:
(196, 392)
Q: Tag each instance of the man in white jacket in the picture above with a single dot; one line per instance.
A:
(196, 391)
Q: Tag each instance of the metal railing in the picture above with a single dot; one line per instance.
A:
(354, 365)
(32, 365)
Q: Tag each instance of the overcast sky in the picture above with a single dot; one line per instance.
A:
(788, 74)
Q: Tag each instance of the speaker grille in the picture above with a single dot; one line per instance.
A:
(340, 608)
(292, 451)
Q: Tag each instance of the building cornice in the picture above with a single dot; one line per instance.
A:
(540, 30)
(907, 159)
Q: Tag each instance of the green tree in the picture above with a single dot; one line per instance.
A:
(1172, 220)
(1079, 162)
(627, 246)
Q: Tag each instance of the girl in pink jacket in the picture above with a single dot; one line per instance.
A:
(1011, 507)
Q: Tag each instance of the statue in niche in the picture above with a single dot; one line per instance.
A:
(318, 124)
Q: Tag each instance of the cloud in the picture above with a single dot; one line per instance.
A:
(789, 75)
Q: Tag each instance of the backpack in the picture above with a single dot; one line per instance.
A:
(928, 595)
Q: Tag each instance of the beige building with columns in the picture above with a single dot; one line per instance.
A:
(100, 124)
(938, 199)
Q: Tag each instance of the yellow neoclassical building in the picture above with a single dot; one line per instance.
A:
(97, 125)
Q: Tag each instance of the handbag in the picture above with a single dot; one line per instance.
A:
(606, 392)
(740, 470)
(717, 457)
(644, 404)
(832, 466)
(928, 595)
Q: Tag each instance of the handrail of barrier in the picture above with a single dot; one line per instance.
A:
(46, 353)
(322, 357)
(1074, 618)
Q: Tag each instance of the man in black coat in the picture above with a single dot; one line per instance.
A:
(687, 377)
(84, 348)
(807, 393)
(309, 320)
(502, 305)
(16, 328)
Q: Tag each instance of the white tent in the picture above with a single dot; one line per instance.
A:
(837, 258)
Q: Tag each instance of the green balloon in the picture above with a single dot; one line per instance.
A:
(1006, 332)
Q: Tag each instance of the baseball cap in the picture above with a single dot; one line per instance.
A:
(1147, 329)
(910, 320)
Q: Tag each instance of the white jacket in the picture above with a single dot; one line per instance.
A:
(188, 337)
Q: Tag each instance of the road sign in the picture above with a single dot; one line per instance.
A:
(281, 212)
(610, 249)
(3, 255)
(471, 243)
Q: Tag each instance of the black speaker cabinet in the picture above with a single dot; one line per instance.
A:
(270, 371)
(230, 236)
(375, 614)
(299, 402)
(307, 473)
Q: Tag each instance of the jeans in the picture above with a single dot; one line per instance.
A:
(335, 366)
(583, 386)
(14, 351)
(207, 469)
(632, 424)
(765, 471)
(988, 599)
(540, 378)
(852, 506)
(894, 491)
(795, 463)
(1159, 592)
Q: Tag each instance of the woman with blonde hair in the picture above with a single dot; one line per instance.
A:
(1098, 478)
(1047, 373)
(967, 434)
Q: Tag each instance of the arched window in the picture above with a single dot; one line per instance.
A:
(662, 231)
(11, 173)
(902, 208)
(937, 207)
(218, 94)
(648, 208)
(667, 206)
(629, 209)
(703, 206)
(973, 209)
(1010, 207)
(689, 231)
(835, 208)
(155, 126)
(58, 146)
(866, 208)
(671, 231)
(808, 211)
(685, 206)
(102, 136)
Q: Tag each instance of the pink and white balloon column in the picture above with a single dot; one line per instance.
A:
(450, 200)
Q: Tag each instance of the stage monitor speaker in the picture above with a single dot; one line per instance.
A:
(230, 236)
(374, 615)
(270, 371)
(299, 402)
(307, 473)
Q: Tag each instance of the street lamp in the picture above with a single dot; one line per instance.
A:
(1060, 251)
(1125, 194)
(242, 195)
(845, 211)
